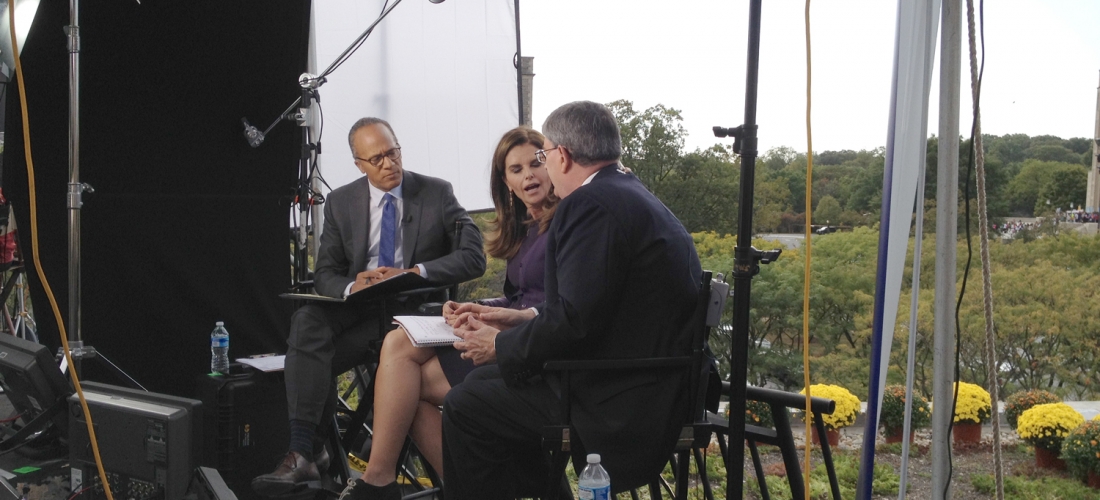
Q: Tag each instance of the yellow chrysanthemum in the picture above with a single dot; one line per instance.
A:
(847, 405)
(1046, 425)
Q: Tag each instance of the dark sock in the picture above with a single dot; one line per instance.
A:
(301, 438)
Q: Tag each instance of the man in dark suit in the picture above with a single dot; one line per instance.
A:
(389, 222)
(622, 278)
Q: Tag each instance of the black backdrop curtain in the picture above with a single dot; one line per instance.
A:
(188, 225)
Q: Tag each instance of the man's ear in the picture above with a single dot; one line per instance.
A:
(566, 161)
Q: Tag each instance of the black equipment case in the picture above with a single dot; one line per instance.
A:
(247, 428)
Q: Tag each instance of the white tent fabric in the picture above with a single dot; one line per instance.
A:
(917, 25)
(442, 75)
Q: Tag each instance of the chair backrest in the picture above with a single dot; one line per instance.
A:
(709, 304)
(456, 241)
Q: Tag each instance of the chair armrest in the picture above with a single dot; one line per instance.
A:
(788, 399)
(431, 309)
(616, 364)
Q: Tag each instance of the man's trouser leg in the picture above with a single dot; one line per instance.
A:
(492, 444)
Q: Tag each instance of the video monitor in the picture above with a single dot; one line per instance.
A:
(32, 380)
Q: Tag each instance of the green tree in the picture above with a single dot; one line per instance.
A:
(652, 140)
(828, 211)
(1023, 190)
(1064, 188)
(1052, 152)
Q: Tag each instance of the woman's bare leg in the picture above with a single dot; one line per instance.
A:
(427, 425)
(427, 432)
(396, 395)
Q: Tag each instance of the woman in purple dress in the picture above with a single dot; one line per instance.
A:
(411, 382)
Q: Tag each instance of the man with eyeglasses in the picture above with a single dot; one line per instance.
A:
(388, 222)
(622, 280)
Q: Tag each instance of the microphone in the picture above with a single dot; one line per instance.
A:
(436, 1)
(254, 136)
(409, 218)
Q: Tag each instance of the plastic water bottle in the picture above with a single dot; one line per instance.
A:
(594, 483)
(219, 349)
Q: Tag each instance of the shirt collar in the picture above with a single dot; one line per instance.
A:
(593, 176)
(377, 194)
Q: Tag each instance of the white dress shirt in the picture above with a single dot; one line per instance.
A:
(377, 203)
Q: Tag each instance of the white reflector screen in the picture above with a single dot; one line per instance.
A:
(441, 74)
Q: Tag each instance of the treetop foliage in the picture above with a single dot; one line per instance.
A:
(702, 187)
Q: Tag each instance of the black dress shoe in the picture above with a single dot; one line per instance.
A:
(293, 470)
(359, 490)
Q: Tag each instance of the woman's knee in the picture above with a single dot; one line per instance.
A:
(397, 345)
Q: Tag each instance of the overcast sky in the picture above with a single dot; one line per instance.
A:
(1042, 65)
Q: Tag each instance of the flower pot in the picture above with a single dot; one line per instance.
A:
(1094, 480)
(832, 435)
(1047, 459)
(967, 432)
(894, 435)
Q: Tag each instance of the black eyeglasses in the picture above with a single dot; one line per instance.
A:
(376, 160)
(540, 155)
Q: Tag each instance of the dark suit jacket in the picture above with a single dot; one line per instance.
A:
(430, 214)
(622, 278)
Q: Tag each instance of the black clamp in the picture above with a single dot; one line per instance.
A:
(309, 147)
(747, 260)
(744, 140)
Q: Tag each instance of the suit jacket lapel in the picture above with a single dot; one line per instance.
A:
(410, 191)
(360, 229)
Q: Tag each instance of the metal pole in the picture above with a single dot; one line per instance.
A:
(76, 190)
(745, 266)
(947, 212)
(519, 70)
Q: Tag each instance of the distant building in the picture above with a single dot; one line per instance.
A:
(1092, 195)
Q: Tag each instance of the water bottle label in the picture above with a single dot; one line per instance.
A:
(589, 493)
(219, 342)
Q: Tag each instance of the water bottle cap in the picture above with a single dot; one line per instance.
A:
(593, 458)
(220, 323)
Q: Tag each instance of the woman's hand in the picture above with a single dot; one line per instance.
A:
(449, 314)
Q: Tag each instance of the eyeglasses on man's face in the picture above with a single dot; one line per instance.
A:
(376, 160)
(540, 155)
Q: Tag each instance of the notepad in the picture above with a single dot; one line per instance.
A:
(427, 331)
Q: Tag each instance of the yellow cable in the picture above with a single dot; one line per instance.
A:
(809, 234)
(34, 251)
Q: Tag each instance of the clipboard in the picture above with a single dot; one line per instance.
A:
(386, 288)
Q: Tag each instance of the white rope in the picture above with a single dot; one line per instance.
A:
(983, 231)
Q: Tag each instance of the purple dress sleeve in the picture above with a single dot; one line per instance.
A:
(523, 288)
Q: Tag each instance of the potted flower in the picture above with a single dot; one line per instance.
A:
(893, 413)
(1081, 452)
(757, 413)
(1022, 400)
(1044, 427)
(973, 409)
(847, 409)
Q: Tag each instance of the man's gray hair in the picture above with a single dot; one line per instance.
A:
(365, 122)
(587, 129)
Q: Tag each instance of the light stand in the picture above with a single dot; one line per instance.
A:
(746, 262)
(304, 197)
